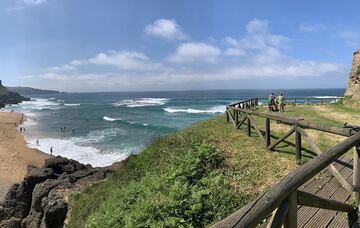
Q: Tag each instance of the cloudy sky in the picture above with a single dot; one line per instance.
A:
(123, 45)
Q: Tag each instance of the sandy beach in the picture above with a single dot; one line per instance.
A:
(15, 156)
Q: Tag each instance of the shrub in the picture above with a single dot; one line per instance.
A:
(193, 192)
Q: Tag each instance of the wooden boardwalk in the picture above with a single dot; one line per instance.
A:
(326, 186)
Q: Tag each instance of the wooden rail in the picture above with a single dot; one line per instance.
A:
(282, 200)
(307, 100)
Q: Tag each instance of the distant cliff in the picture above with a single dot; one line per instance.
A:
(30, 91)
(352, 94)
(9, 97)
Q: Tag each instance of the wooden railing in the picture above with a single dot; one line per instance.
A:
(281, 200)
(306, 100)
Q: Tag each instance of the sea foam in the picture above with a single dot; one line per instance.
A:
(141, 102)
(84, 154)
(212, 110)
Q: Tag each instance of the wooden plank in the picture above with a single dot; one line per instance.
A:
(318, 186)
(322, 217)
(307, 213)
(248, 126)
(241, 122)
(253, 213)
(279, 215)
(287, 134)
(297, 145)
(310, 200)
(231, 117)
(256, 129)
(332, 168)
(267, 133)
(291, 217)
(356, 176)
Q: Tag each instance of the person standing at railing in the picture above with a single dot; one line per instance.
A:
(280, 101)
(270, 102)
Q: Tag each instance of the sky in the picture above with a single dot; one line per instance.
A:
(152, 45)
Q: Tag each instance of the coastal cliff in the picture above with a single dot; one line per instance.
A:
(352, 94)
(40, 200)
(9, 97)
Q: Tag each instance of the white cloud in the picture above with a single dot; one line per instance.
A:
(351, 38)
(257, 26)
(235, 52)
(258, 55)
(307, 27)
(34, 2)
(123, 60)
(166, 29)
(195, 52)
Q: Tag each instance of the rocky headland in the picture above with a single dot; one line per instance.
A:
(41, 199)
(10, 97)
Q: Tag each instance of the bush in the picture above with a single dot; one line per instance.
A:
(192, 192)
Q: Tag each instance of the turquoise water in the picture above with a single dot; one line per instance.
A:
(101, 128)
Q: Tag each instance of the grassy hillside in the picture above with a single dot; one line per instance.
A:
(197, 176)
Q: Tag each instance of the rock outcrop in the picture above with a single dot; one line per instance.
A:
(40, 200)
(9, 97)
(352, 94)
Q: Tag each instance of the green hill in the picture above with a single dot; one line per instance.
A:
(199, 175)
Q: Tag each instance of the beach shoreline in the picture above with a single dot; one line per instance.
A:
(15, 155)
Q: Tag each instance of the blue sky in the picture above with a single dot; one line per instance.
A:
(113, 45)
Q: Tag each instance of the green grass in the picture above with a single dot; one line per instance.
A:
(194, 177)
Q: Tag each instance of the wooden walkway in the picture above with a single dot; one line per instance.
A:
(326, 186)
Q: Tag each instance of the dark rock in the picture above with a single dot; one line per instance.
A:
(40, 200)
(61, 165)
(11, 223)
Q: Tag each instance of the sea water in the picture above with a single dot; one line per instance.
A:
(101, 128)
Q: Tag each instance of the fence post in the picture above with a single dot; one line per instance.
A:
(356, 175)
(227, 115)
(297, 145)
(249, 126)
(291, 218)
(267, 132)
(236, 117)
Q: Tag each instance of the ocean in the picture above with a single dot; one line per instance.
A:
(101, 128)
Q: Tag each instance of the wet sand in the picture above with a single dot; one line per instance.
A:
(15, 156)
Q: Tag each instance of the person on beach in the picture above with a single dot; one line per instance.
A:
(37, 143)
(280, 101)
(23, 129)
(73, 131)
(20, 129)
(51, 150)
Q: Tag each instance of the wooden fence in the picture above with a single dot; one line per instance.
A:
(306, 100)
(281, 200)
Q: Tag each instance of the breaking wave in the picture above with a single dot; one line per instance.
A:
(212, 110)
(141, 102)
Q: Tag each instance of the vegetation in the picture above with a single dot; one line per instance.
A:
(199, 175)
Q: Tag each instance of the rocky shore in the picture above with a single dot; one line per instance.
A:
(40, 200)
